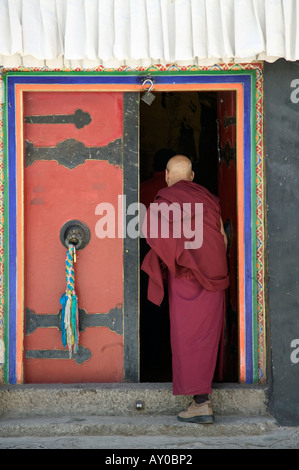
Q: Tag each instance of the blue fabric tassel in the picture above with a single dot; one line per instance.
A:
(74, 319)
(63, 300)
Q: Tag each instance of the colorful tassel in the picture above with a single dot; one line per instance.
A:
(69, 302)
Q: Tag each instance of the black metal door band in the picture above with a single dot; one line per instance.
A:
(82, 355)
(229, 121)
(227, 154)
(112, 320)
(71, 153)
(79, 119)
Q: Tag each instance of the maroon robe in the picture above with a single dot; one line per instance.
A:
(197, 279)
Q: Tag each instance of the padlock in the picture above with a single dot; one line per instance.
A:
(148, 97)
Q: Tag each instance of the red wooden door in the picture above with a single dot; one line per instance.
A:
(228, 200)
(71, 167)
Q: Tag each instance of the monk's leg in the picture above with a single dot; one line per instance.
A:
(196, 323)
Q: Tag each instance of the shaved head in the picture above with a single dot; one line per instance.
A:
(178, 168)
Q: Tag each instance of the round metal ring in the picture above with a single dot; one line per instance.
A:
(75, 232)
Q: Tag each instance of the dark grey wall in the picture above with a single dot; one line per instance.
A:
(282, 196)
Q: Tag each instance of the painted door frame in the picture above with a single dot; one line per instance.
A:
(247, 81)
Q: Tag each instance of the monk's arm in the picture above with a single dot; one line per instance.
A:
(223, 232)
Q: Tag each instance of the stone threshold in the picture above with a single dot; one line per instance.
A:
(134, 426)
(124, 399)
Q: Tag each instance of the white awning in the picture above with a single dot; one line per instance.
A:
(90, 33)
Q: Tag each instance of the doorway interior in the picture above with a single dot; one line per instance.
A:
(201, 125)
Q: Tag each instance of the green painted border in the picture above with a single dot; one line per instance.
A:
(155, 72)
(253, 232)
(6, 231)
(133, 72)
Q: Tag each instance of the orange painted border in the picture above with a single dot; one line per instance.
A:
(20, 238)
(137, 88)
(240, 231)
(20, 88)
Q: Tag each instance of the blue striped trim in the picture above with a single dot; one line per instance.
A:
(12, 235)
(243, 77)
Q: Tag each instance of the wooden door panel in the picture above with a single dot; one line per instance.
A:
(227, 192)
(55, 194)
(105, 110)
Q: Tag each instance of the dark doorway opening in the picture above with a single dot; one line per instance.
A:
(202, 126)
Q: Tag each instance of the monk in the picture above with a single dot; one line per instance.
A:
(197, 276)
(150, 187)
